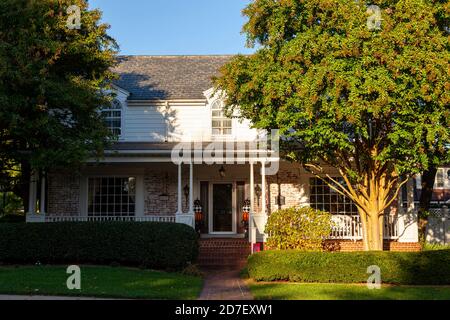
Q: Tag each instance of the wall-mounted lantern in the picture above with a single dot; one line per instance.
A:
(222, 172)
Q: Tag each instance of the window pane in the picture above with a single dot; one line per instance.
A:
(216, 124)
(111, 196)
(227, 123)
(322, 197)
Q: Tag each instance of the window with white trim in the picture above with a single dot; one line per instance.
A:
(113, 117)
(442, 178)
(324, 198)
(111, 196)
(221, 124)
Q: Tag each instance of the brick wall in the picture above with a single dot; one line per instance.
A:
(288, 183)
(157, 183)
(63, 194)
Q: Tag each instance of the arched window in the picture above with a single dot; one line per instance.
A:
(113, 117)
(221, 125)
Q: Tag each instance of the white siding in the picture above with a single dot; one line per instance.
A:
(178, 122)
(144, 124)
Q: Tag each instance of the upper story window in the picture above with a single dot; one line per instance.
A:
(113, 117)
(443, 178)
(221, 124)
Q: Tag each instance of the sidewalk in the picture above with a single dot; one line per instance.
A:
(224, 285)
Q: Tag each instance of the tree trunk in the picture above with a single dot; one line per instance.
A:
(428, 178)
(373, 231)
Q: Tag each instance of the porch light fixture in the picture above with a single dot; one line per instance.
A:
(222, 172)
(448, 174)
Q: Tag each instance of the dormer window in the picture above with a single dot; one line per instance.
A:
(113, 117)
(221, 124)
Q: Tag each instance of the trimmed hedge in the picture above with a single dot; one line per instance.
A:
(418, 268)
(164, 246)
(12, 218)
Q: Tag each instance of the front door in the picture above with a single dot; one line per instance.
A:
(222, 208)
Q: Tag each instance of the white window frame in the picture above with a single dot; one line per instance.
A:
(222, 117)
(101, 214)
(441, 172)
(107, 113)
(346, 201)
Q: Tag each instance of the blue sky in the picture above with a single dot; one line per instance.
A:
(178, 27)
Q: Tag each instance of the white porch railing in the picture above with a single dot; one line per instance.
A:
(109, 218)
(347, 227)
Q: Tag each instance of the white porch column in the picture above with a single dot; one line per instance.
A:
(408, 227)
(251, 222)
(191, 188)
(32, 196)
(263, 188)
(32, 215)
(180, 199)
(180, 217)
(42, 199)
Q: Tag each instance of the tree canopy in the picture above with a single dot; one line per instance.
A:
(371, 102)
(54, 76)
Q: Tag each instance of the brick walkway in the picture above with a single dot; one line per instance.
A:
(224, 285)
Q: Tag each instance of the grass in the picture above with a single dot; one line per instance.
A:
(317, 291)
(106, 282)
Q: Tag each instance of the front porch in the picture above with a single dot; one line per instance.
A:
(154, 189)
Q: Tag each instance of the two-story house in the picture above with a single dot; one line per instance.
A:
(162, 101)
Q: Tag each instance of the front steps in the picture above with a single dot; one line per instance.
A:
(223, 253)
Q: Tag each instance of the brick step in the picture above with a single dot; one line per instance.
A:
(219, 244)
(219, 252)
(225, 250)
(222, 262)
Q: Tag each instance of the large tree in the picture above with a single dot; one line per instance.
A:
(55, 71)
(363, 93)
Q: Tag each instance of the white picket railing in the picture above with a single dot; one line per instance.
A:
(109, 218)
(347, 227)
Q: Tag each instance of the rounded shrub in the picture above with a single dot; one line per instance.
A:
(298, 228)
(164, 246)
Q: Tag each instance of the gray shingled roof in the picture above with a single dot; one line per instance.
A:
(167, 77)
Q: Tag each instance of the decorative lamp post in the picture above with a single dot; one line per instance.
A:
(198, 210)
(246, 215)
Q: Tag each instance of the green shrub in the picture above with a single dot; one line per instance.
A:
(151, 245)
(298, 228)
(12, 218)
(411, 268)
(436, 246)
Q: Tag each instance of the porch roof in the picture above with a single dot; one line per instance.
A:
(162, 151)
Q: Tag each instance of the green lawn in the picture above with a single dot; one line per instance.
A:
(113, 282)
(315, 291)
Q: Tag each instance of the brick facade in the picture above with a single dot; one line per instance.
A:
(157, 183)
(63, 194)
